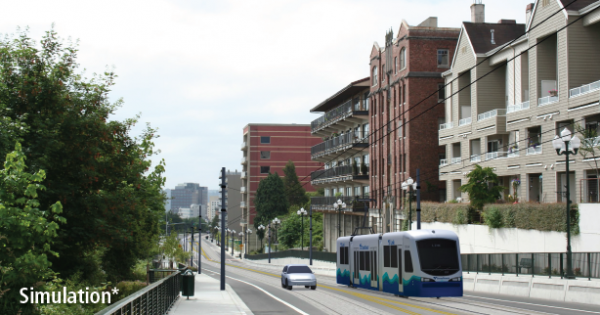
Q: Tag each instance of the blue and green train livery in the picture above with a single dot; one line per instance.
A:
(422, 263)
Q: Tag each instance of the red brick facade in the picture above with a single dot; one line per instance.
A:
(410, 86)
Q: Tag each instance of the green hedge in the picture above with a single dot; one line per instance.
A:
(528, 216)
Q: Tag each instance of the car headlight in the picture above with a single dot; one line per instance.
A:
(455, 280)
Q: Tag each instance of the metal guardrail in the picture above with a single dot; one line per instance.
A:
(157, 298)
(338, 143)
(585, 265)
(334, 115)
(584, 89)
(491, 114)
(517, 107)
(326, 203)
(543, 101)
(324, 256)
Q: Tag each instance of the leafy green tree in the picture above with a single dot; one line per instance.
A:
(589, 148)
(270, 200)
(94, 167)
(26, 232)
(482, 187)
(296, 194)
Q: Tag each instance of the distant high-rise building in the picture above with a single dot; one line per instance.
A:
(213, 207)
(187, 194)
(234, 200)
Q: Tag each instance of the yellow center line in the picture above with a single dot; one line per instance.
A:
(375, 299)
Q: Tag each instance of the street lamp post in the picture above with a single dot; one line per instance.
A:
(276, 222)
(409, 185)
(269, 229)
(241, 235)
(248, 231)
(261, 228)
(561, 145)
(232, 241)
(302, 213)
(339, 205)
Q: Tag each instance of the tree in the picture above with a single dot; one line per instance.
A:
(112, 203)
(26, 232)
(590, 148)
(296, 194)
(270, 202)
(482, 186)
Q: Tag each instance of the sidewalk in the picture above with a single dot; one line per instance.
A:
(209, 299)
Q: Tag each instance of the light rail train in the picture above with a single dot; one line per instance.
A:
(421, 263)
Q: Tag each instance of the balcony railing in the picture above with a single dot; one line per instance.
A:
(338, 143)
(513, 153)
(335, 115)
(495, 155)
(547, 100)
(337, 173)
(443, 162)
(244, 175)
(491, 114)
(326, 203)
(475, 158)
(517, 107)
(447, 125)
(243, 145)
(244, 160)
(243, 190)
(464, 121)
(456, 160)
(242, 204)
(534, 150)
(584, 89)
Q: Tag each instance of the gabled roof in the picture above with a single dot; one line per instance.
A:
(480, 36)
(342, 95)
(576, 4)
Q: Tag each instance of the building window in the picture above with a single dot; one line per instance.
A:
(395, 64)
(366, 191)
(382, 73)
(265, 140)
(399, 130)
(366, 101)
(374, 76)
(403, 93)
(265, 169)
(464, 50)
(403, 58)
(442, 58)
(441, 92)
(265, 155)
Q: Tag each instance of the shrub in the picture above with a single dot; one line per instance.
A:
(493, 217)
(536, 216)
(460, 217)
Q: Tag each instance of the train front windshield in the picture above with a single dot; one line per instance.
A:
(438, 257)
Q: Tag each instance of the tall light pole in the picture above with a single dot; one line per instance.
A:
(269, 230)
(302, 213)
(248, 231)
(561, 145)
(409, 185)
(276, 222)
(339, 205)
(261, 228)
(232, 241)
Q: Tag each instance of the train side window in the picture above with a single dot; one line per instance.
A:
(394, 258)
(368, 261)
(346, 256)
(386, 256)
(374, 273)
(355, 264)
(408, 266)
(400, 266)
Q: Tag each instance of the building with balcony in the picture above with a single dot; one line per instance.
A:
(543, 82)
(344, 150)
(405, 94)
(267, 148)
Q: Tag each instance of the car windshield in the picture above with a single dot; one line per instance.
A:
(299, 269)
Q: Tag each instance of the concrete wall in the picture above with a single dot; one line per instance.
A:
(480, 239)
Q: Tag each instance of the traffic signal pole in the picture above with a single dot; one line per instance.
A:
(223, 226)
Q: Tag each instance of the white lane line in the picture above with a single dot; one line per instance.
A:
(533, 304)
(269, 294)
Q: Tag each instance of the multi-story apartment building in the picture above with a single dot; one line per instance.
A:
(186, 194)
(344, 128)
(406, 87)
(266, 149)
(234, 200)
(213, 207)
(543, 82)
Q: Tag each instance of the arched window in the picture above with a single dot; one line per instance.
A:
(375, 76)
(403, 58)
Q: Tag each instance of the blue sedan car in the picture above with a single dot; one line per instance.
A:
(298, 275)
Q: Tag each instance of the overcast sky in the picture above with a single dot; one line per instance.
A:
(200, 70)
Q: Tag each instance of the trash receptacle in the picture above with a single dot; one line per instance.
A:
(187, 283)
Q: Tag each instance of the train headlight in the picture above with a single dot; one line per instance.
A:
(455, 280)
(427, 280)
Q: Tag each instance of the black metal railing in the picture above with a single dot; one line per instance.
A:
(338, 143)
(344, 172)
(585, 265)
(324, 256)
(326, 203)
(336, 114)
(157, 298)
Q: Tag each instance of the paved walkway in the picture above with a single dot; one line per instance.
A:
(209, 299)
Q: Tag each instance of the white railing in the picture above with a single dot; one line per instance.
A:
(244, 175)
(513, 153)
(242, 204)
(491, 114)
(243, 190)
(464, 121)
(547, 100)
(536, 150)
(243, 160)
(447, 125)
(443, 162)
(517, 107)
(455, 160)
(243, 145)
(495, 155)
(475, 158)
(584, 89)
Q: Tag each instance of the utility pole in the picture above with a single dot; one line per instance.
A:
(310, 232)
(223, 179)
(199, 241)
(418, 200)
(192, 247)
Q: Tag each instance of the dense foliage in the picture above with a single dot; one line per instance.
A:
(482, 187)
(270, 201)
(296, 194)
(112, 202)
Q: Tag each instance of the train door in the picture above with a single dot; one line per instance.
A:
(400, 273)
(373, 269)
(355, 268)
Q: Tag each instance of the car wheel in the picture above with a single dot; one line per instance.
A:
(283, 284)
(306, 286)
(314, 287)
(289, 287)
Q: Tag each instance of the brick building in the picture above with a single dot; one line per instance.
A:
(266, 149)
(404, 114)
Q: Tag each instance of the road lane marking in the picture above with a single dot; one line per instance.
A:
(269, 294)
